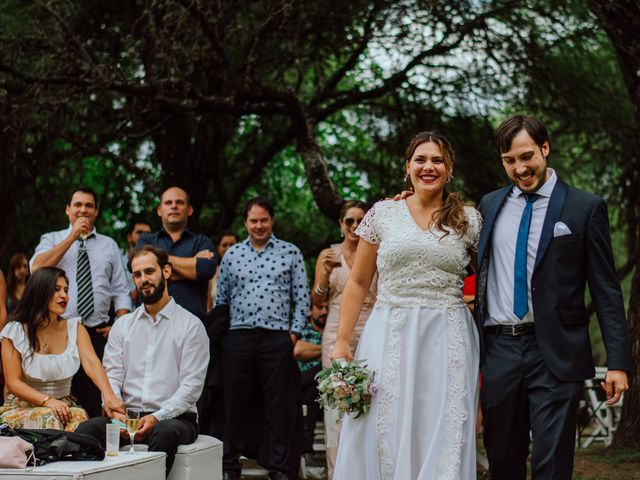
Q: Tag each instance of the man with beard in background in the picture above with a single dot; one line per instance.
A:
(156, 360)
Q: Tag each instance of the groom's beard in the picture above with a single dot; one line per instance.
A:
(155, 294)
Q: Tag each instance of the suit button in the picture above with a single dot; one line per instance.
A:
(533, 289)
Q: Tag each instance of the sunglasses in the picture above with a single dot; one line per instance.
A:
(350, 221)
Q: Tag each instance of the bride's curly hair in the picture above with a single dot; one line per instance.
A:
(451, 214)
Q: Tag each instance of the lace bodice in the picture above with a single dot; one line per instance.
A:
(418, 267)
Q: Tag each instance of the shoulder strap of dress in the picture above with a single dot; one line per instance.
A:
(72, 328)
(16, 332)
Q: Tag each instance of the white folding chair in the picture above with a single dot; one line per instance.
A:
(602, 418)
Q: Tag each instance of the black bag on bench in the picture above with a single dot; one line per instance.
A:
(53, 445)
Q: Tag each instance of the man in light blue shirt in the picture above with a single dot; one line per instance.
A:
(264, 282)
(107, 280)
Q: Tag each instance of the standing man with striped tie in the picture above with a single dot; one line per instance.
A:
(96, 276)
(541, 243)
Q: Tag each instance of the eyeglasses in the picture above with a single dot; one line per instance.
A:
(350, 221)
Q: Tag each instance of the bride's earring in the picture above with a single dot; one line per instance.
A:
(407, 183)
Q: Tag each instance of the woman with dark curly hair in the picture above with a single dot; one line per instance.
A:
(41, 351)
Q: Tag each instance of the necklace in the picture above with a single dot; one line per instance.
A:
(44, 347)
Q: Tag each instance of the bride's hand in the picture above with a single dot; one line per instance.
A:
(340, 350)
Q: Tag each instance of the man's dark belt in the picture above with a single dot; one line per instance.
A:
(513, 330)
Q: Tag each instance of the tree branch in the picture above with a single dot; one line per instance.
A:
(351, 62)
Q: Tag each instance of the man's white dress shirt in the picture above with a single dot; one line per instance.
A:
(158, 366)
(108, 276)
(500, 280)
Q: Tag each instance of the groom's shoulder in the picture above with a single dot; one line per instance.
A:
(488, 198)
(493, 194)
(582, 197)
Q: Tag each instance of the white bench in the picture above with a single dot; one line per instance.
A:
(137, 466)
(198, 460)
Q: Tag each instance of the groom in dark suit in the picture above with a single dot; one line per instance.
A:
(541, 242)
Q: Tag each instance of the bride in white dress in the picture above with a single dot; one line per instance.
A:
(420, 339)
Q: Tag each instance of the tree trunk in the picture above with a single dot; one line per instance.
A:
(628, 433)
(621, 20)
(322, 188)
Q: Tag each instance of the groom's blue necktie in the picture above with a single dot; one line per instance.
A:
(520, 302)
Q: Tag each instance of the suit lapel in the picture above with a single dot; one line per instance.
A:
(554, 210)
(488, 222)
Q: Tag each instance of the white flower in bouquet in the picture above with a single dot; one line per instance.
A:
(347, 387)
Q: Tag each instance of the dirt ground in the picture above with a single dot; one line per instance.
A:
(602, 464)
(597, 463)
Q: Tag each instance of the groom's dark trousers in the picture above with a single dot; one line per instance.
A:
(532, 381)
(520, 395)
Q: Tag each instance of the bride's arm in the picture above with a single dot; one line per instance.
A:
(355, 291)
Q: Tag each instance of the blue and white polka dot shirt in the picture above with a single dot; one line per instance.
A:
(265, 289)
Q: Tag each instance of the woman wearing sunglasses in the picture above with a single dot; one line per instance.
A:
(332, 270)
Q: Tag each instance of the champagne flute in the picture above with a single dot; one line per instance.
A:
(132, 421)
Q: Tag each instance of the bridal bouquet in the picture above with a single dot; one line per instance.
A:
(347, 387)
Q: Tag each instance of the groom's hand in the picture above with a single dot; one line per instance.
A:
(615, 384)
(401, 196)
(144, 427)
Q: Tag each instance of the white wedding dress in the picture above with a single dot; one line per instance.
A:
(422, 343)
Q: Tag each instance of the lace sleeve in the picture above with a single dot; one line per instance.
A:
(367, 229)
(475, 225)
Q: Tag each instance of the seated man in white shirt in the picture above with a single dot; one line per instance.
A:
(156, 360)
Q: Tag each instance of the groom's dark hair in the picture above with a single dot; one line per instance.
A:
(161, 255)
(514, 125)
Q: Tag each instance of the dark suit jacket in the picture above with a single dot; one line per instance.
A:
(563, 267)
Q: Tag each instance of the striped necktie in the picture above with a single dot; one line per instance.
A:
(83, 278)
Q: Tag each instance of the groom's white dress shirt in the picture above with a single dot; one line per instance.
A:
(158, 366)
(500, 278)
